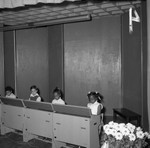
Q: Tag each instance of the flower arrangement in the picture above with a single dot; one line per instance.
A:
(122, 135)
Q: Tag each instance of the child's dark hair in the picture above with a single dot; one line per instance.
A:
(97, 95)
(9, 88)
(59, 91)
(36, 88)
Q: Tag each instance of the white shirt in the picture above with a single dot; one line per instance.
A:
(38, 97)
(94, 107)
(59, 101)
(11, 96)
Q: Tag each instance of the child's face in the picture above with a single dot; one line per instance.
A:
(8, 93)
(33, 91)
(92, 99)
(56, 96)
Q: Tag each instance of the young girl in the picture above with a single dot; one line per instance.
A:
(34, 96)
(9, 92)
(58, 95)
(95, 102)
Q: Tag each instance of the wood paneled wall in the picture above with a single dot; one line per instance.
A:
(99, 55)
(32, 61)
(34, 57)
(93, 61)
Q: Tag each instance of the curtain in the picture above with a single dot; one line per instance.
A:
(19, 3)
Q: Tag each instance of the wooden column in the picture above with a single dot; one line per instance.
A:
(56, 51)
(148, 64)
(1, 64)
(9, 59)
(144, 65)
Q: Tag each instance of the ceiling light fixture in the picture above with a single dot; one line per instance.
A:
(64, 20)
(48, 23)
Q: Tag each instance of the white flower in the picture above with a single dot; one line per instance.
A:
(111, 123)
(105, 127)
(118, 128)
(147, 135)
(140, 134)
(122, 124)
(108, 131)
(113, 132)
(138, 129)
(118, 136)
(131, 127)
(132, 137)
(125, 131)
(116, 125)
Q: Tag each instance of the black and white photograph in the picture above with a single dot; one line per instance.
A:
(74, 73)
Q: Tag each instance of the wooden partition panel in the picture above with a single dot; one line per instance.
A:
(93, 61)
(144, 65)
(55, 44)
(1, 64)
(9, 58)
(148, 60)
(131, 65)
(32, 61)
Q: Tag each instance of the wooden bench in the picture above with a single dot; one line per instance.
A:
(127, 114)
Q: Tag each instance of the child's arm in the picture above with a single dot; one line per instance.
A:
(101, 106)
(99, 110)
(53, 101)
(38, 99)
(63, 102)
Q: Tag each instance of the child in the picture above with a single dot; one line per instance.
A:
(95, 102)
(58, 95)
(34, 96)
(9, 92)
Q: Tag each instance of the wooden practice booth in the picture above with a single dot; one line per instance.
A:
(62, 125)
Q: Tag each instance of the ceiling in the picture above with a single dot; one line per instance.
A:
(42, 12)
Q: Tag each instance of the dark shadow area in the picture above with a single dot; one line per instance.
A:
(13, 140)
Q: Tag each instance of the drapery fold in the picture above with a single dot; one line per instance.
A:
(20, 3)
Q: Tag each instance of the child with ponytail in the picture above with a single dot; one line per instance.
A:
(95, 104)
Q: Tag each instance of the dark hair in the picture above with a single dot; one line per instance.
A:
(59, 91)
(97, 95)
(9, 88)
(36, 88)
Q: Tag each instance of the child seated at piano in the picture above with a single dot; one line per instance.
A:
(58, 95)
(94, 104)
(34, 96)
(9, 92)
